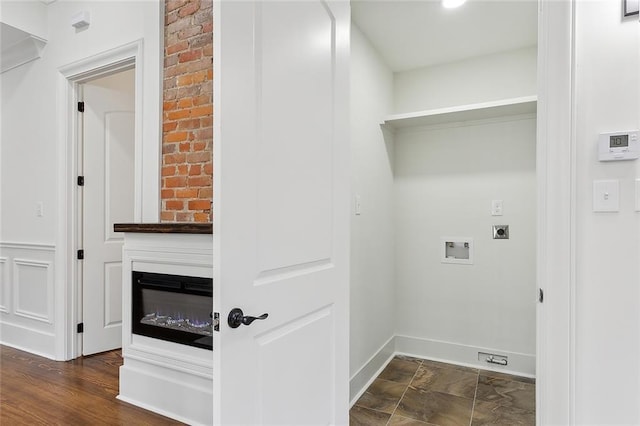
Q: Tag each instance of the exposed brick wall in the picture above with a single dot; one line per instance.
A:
(187, 167)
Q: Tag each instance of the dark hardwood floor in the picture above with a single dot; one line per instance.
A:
(38, 391)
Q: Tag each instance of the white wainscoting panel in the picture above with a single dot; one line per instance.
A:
(33, 289)
(27, 288)
(4, 283)
(113, 294)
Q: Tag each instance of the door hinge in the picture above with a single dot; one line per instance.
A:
(80, 180)
(80, 327)
(80, 106)
(540, 295)
(216, 321)
(80, 254)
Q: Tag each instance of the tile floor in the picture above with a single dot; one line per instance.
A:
(412, 391)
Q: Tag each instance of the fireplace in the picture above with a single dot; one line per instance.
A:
(175, 308)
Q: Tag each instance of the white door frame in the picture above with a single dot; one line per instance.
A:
(68, 269)
(556, 263)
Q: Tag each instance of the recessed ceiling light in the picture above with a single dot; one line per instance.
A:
(450, 4)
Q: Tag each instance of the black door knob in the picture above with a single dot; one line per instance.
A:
(237, 317)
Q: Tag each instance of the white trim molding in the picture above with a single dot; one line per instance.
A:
(4, 283)
(362, 379)
(27, 339)
(27, 246)
(519, 364)
(556, 264)
(68, 272)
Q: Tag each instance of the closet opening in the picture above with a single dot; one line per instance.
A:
(443, 113)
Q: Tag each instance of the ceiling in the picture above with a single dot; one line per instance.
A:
(419, 33)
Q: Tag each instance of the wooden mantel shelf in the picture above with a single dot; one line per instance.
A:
(165, 228)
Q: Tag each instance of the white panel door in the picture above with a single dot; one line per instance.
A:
(108, 198)
(281, 212)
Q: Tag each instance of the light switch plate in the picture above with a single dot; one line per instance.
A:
(606, 195)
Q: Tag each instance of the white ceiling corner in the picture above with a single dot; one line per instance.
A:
(411, 34)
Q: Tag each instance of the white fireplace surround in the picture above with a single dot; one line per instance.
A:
(168, 378)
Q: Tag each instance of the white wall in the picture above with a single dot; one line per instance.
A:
(372, 268)
(487, 78)
(31, 123)
(445, 180)
(607, 311)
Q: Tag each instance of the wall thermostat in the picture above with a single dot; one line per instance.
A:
(618, 146)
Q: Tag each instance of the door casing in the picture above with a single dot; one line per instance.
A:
(556, 213)
(68, 268)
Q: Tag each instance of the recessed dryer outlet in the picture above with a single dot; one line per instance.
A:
(500, 232)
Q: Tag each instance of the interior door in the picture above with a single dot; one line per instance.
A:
(281, 212)
(108, 198)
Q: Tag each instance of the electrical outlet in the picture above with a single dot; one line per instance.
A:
(39, 209)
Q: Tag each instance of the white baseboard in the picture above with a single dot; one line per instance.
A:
(154, 388)
(361, 380)
(435, 350)
(455, 353)
(155, 410)
(28, 340)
